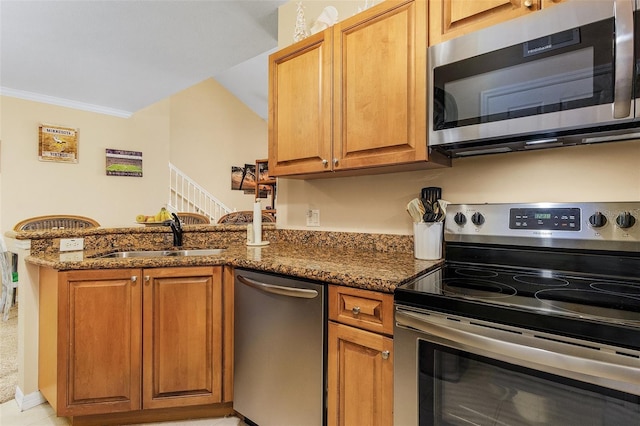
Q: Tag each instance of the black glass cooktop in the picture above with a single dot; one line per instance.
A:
(552, 293)
(583, 306)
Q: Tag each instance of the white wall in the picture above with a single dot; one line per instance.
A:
(604, 172)
(31, 187)
(211, 130)
(203, 131)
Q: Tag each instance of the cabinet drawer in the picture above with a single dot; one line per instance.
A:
(364, 309)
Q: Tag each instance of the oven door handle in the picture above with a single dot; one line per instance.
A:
(566, 360)
(623, 11)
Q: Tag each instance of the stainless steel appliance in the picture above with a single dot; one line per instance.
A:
(534, 319)
(279, 345)
(562, 75)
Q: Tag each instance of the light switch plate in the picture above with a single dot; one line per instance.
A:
(313, 217)
(71, 244)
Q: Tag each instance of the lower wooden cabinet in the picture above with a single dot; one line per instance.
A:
(182, 337)
(130, 339)
(359, 362)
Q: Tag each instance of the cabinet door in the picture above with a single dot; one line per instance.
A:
(182, 316)
(453, 18)
(360, 377)
(380, 86)
(300, 107)
(99, 337)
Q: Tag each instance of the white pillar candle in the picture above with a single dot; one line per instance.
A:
(257, 222)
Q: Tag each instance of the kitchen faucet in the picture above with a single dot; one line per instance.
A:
(176, 228)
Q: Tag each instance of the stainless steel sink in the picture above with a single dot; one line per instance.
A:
(163, 253)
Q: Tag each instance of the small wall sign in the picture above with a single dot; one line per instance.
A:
(58, 144)
(124, 163)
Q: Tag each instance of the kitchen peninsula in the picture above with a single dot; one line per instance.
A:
(134, 290)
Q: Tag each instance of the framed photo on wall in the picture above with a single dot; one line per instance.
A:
(124, 163)
(57, 144)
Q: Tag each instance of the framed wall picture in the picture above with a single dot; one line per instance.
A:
(57, 144)
(244, 178)
(124, 163)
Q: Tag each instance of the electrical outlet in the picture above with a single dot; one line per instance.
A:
(313, 217)
(71, 244)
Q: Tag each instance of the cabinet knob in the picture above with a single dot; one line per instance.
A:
(325, 162)
(134, 278)
(528, 4)
(147, 279)
(385, 354)
(335, 161)
(356, 310)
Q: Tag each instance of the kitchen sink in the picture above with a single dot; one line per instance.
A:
(163, 253)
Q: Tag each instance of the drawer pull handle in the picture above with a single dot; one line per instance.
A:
(356, 310)
(385, 354)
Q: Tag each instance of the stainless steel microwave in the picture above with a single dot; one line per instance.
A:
(569, 74)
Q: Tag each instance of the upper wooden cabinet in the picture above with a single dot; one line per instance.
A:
(453, 18)
(300, 106)
(352, 97)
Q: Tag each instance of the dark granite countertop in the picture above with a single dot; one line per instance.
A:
(366, 265)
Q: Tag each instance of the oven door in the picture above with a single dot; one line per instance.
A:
(453, 371)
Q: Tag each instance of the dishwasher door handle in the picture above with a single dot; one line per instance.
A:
(302, 293)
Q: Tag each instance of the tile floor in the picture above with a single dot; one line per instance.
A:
(43, 415)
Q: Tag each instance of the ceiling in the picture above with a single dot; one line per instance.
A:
(117, 57)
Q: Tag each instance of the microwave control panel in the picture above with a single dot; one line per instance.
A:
(552, 219)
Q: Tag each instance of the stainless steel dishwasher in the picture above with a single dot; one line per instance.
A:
(279, 338)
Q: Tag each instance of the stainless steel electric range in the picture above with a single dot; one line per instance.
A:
(534, 319)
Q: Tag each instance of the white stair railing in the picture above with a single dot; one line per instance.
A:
(185, 195)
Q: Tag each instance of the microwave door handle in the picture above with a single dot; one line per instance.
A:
(550, 359)
(623, 17)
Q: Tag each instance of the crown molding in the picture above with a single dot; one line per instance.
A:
(52, 100)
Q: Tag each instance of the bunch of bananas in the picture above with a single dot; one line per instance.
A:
(161, 216)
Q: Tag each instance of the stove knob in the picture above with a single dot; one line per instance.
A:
(477, 219)
(625, 220)
(597, 220)
(460, 218)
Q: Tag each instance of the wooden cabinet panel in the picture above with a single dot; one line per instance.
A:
(453, 18)
(100, 339)
(360, 377)
(379, 91)
(365, 309)
(103, 331)
(353, 98)
(300, 107)
(182, 336)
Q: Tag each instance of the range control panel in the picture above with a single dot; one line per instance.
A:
(593, 225)
(563, 219)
